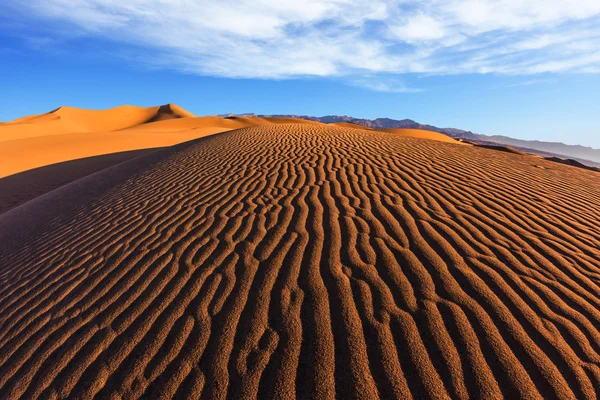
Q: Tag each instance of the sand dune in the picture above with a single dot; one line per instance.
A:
(258, 121)
(25, 154)
(500, 148)
(306, 261)
(69, 133)
(571, 162)
(423, 134)
(184, 124)
(417, 133)
(22, 187)
(66, 120)
(350, 125)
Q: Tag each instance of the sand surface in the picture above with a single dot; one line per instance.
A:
(19, 188)
(69, 133)
(423, 134)
(308, 261)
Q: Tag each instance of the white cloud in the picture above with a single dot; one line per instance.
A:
(418, 27)
(283, 39)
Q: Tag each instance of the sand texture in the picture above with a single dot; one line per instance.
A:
(306, 261)
(19, 188)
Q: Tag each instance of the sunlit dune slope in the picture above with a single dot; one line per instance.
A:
(306, 261)
(417, 133)
(73, 133)
(65, 120)
(350, 125)
(423, 134)
(257, 121)
(24, 154)
(184, 124)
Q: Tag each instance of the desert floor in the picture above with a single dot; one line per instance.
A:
(303, 260)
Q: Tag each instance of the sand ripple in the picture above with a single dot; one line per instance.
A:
(305, 261)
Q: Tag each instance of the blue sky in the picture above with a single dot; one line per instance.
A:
(519, 68)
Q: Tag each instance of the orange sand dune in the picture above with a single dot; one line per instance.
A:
(417, 133)
(423, 134)
(34, 152)
(306, 261)
(502, 148)
(73, 133)
(65, 120)
(350, 125)
(22, 187)
(257, 121)
(183, 124)
(69, 133)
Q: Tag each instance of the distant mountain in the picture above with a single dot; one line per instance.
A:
(580, 153)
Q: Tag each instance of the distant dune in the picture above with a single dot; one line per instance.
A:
(500, 148)
(417, 133)
(78, 120)
(422, 134)
(257, 121)
(573, 163)
(305, 261)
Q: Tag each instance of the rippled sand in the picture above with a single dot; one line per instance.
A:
(291, 260)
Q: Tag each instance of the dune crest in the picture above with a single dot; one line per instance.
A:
(258, 121)
(416, 133)
(65, 119)
(306, 261)
(422, 134)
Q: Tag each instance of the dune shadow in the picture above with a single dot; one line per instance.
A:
(19, 188)
(571, 162)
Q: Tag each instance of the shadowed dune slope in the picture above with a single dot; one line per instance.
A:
(20, 188)
(305, 261)
(571, 162)
(501, 148)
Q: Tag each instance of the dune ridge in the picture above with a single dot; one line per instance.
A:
(67, 119)
(306, 261)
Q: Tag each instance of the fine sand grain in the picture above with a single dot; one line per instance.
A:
(301, 260)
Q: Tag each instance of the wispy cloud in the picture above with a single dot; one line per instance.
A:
(380, 84)
(347, 38)
(528, 82)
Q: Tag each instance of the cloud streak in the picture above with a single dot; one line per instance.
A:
(344, 38)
